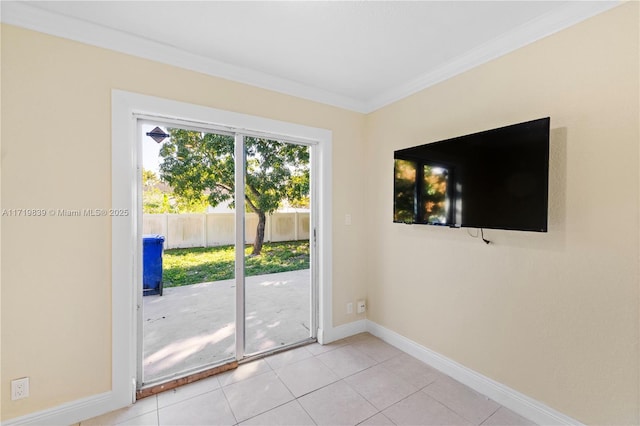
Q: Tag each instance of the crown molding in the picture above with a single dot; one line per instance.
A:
(534, 30)
(21, 14)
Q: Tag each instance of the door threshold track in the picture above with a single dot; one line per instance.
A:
(274, 351)
(154, 389)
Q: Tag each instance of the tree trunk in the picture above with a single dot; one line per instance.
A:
(257, 244)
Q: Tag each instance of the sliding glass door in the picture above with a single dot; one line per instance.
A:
(277, 257)
(232, 213)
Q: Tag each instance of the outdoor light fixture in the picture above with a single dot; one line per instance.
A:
(158, 134)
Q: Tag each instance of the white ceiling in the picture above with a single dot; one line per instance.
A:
(356, 55)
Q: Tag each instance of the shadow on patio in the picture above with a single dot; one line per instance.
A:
(194, 325)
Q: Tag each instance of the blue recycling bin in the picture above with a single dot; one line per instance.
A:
(152, 246)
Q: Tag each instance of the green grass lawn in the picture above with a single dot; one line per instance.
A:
(199, 265)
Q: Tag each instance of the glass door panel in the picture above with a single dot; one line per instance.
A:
(225, 291)
(188, 324)
(277, 251)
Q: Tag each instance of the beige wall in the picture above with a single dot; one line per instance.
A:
(555, 315)
(56, 153)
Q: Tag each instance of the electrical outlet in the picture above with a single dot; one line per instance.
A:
(349, 308)
(19, 388)
(347, 219)
(362, 306)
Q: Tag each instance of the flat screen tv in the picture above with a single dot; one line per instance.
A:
(495, 179)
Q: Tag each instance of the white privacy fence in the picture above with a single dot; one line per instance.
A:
(216, 229)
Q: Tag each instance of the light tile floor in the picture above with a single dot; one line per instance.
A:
(360, 380)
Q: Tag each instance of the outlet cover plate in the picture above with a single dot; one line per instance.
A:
(19, 388)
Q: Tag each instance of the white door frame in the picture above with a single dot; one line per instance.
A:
(240, 319)
(127, 107)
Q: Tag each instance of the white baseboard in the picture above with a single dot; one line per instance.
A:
(521, 404)
(342, 331)
(82, 409)
(68, 413)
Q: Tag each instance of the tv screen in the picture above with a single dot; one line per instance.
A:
(496, 179)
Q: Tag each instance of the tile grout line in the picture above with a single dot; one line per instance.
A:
(332, 383)
(390, 372)
(491, 415)
(157, 410)
(229, 405)
(378, 413)
(456, 411)
(377, 363)
(362, 396)
(343, 345)
(308, 414)
(286, 365)
(447, 407)
(266, 411)
(187, 398)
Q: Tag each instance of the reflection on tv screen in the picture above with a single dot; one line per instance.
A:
(500, 176)
(434, 195)
(404, 189)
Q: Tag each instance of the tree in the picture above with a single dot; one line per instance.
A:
(158, 197)
(199, 164)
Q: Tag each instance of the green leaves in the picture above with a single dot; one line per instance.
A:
(158, 197)
(197, 164)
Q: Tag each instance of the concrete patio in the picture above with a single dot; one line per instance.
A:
(194, 325)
